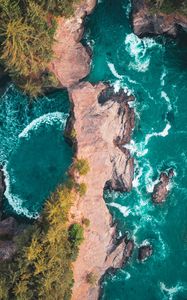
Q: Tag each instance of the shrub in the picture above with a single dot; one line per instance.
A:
(92, 278)
(82, 166)
(82, 188)
(43, 264)
(76, 234)
(86, 222)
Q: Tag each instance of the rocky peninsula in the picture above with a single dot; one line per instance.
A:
(149, 21)
(103, 122)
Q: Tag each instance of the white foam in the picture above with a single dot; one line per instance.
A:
(167, 99)
(137, 49)
(15, 201)
(171, 291)
(163, 133)
(123, 209)
(137, 148)
(48, 119)
(113, 71)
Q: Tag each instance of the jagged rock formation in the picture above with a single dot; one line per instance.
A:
(161, 190)
(71, 60)
(2, 187)
(146, 22)
(144, 252)
(103, 122)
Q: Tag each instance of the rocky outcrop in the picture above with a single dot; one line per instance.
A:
(9, 228)
(2, 187)
(144, 252)
(71, 60)
(149, 22)
(103, 122)
(161, 190)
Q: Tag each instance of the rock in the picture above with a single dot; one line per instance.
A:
(120, 254)
(144, 252)
(103, 122)
(2, 187)
(71, 60)
(4, 79)
(145, 22)
(8, 228)
(7, 250)
(160, 190)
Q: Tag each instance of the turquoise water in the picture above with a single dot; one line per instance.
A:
(155, 71)
(33, 151)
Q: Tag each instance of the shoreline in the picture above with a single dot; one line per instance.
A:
(102, 122)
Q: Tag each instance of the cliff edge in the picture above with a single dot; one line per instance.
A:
(147, 20)
(103, 122)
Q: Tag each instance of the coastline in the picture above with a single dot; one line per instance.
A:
(146, 22)
(103, 122)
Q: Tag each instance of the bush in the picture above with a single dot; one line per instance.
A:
(82, 166)
(76, 234)
(82, 188)
(86, 222)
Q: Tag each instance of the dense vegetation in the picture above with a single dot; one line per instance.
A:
(42, 267)
(169, 6)
(27, 30)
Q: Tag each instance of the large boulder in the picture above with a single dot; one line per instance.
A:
(161, 190)
(144, 252)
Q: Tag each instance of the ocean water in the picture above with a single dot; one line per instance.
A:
(154, 70)
(33, 152)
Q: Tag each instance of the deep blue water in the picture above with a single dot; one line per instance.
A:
(155, 71)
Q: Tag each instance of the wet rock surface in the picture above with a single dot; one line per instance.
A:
(144, 252)
(2, 187)
(147, 22)
(161, 190)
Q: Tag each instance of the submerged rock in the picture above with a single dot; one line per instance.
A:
(144, 252)
(161, 190)
(146, 21)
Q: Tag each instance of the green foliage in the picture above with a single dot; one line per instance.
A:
(82, 166)
(27, 30)
(76, 234)
(82, 188)
(92, 278)
(58, 7)
(42, 267)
